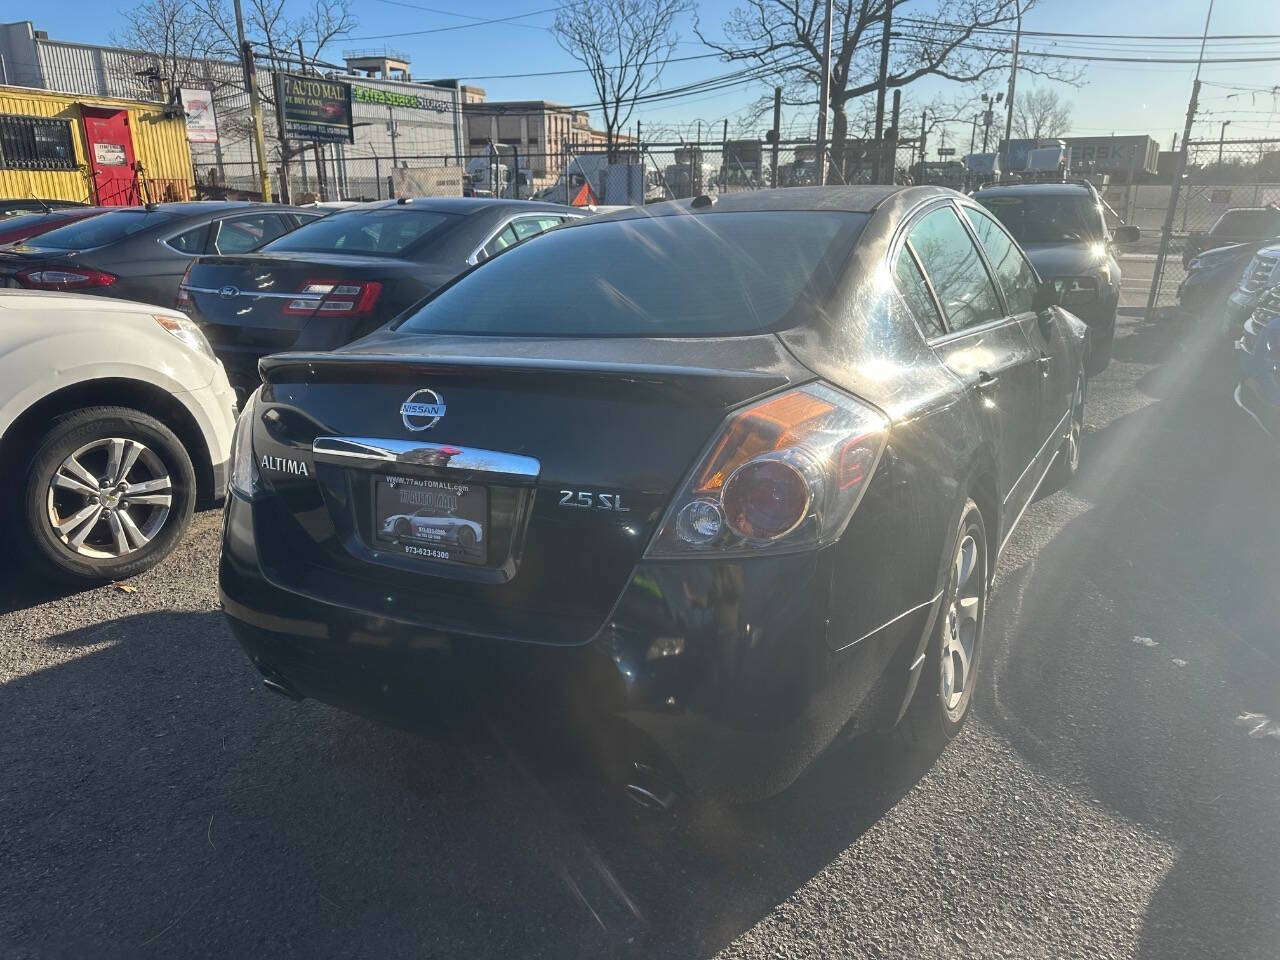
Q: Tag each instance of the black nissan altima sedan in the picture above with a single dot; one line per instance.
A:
(741, 471)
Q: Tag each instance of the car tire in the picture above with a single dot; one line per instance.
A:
(402, 530)
(466, 538)
(948, 677)
(1101, 343)
(124, 526)
(1067, 462)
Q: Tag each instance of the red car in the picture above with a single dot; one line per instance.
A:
(24, 225)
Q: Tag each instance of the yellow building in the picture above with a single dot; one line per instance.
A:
(101, 150)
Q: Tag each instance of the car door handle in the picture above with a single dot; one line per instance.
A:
(986, 380)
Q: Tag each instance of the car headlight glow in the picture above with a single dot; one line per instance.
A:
(183, 329)
(245, 479)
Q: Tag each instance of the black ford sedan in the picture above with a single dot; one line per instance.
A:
(712, 481)
(335, 280)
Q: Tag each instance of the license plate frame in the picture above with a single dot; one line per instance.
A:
(431, 519)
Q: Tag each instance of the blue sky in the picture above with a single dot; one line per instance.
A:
(1120, 98)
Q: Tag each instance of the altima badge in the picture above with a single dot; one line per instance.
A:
(422, 410)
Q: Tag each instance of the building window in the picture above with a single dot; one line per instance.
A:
(35, 143)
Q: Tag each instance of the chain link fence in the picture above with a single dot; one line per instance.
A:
(576, 174)
(1220, 176)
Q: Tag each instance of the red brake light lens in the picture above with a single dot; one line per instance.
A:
(783, 474)
(64, 278)
(332, 298)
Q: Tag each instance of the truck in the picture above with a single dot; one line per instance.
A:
(620, 182)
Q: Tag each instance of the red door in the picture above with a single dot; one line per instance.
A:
(110, 156)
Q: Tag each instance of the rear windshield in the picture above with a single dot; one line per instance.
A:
(710, 274)
(1047, 218)
(1248, 223)
(100, 230)
(386, 232)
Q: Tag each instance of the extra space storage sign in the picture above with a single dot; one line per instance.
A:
(314, 108)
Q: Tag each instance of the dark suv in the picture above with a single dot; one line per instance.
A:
(1063, 231)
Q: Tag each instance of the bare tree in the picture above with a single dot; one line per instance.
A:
(1040, 112)
(625, 45)
(167, 42)
(949, 39)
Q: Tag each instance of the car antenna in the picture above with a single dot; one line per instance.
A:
(44, 206)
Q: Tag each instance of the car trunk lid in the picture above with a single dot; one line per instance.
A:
(568, 450)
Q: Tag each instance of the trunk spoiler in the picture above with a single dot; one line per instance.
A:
(726, 387)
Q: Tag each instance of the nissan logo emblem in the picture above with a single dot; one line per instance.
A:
(422, 410)
(229, 292)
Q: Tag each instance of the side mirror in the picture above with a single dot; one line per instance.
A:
(1126, 233)
(1046, 297)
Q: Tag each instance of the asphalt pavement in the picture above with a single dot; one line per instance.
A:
(1116, 795)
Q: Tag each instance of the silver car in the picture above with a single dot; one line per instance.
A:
(425, 526)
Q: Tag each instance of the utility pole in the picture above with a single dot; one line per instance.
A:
(892, 135)
(881, 87)
(255, 107)
(973, 134)
(1179, 166)
(923, 141)
(1013, 78)
(824, 98)
(776, 133)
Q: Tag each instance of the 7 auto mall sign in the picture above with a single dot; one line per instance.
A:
(313, 108)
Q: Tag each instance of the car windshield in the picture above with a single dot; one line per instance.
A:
(100, 230)
(1248, 223)
(384, 232)
(1047, 218)
(712, 274)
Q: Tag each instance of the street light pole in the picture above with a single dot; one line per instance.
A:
(824, 98)
(1222, 132)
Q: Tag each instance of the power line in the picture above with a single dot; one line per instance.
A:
(480, 21)
(460, 26)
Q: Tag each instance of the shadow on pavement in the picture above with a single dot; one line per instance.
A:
(157, 801)
(1178, 545)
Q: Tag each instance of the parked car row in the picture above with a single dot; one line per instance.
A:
(722, 477)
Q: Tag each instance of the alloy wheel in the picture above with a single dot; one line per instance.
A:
(1076, 429)
(109, 498)
(961, 630)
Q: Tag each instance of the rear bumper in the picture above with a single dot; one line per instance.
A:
(722, 672)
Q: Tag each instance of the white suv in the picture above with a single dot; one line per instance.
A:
(115, 422)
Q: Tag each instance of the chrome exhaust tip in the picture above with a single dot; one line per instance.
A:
(648, 788)
(276, 686)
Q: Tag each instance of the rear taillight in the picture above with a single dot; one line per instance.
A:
(347, 298)
(783, 474)
(64, 278)
(184, 301)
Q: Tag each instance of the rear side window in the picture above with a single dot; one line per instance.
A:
(190, 241)
(915, 291)
(385, 232)
(955, 269)
(1248, 223)
(100, 230)
(247, 233)
(1016, 275)
(710, 274)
